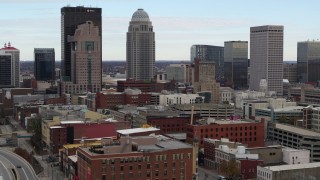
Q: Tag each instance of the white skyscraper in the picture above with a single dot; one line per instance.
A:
(266, 57)
(140, 47)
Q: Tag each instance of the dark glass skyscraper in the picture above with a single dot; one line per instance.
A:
(308, 61)
(71, 17)
(236, 64)
(44, 64)
(212, 54)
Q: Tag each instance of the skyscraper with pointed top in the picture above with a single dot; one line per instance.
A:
(140, 47)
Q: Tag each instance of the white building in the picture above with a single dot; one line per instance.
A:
(226, 94)
(240, 96)
(170, 99)
(288, 172)
(296, 156)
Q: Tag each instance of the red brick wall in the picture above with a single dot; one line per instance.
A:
(93, 170)
(104, 101)
(248, 168)
(169, 124)
(251, 134)
(93, 130)
(60, 100)
(58, 137)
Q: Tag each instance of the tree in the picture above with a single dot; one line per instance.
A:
(34, 126)
(24, 154)
(283, 119)
(230, 168)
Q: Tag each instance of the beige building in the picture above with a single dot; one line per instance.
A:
(85, 61)
(266, 57)
(140, 47)
(204, 79)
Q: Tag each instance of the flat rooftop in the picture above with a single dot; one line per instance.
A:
(163, 143)
(293, 166)
(137, 130)
(297, 130)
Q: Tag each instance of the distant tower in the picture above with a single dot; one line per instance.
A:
(9, 54)
(71, 17)
(140, 47)
(266, 57)
(236, 64)
(44, 64)
(308, 61)
(212, 54)
(85, 60)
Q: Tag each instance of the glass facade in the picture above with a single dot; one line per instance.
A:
(308, 62)
(44, 64)
(236, 64)
(5, 71)
(212, 54)
(71, 17)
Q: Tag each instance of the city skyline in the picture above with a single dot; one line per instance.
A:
(178, 24)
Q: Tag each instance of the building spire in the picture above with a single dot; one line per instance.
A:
(5, 45)
(9, 44)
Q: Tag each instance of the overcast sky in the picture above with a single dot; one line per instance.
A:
(178, 24)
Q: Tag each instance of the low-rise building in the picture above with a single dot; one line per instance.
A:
(172, 99)
(288, 172)
(144, 157)
(297, 138)
(209, 149)
(245, 132)
(205, 110)
(226, 94)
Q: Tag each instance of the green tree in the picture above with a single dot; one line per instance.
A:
(283, 119)
(230, 168)
(34, 126)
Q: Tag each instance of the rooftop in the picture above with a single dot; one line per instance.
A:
(137, 130)
(293, 166)
(140, 16)
(297, 130)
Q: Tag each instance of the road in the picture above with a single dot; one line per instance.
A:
(5, 168)
(206, 174)
(26, 172)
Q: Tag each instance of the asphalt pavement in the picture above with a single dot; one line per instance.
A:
(5, 168)
(23, 168)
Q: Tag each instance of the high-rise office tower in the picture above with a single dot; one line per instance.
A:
(308, 61)
(85, 60)
(140, 47)
(44, 64)
(12, 54)
(236, 64)
(211, 54)
(266, 57)
(71, 17)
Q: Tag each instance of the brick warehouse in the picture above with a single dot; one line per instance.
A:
(249, 133)
(169, 124)
(146, 157)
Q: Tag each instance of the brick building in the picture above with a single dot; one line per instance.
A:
(130, 96)
(144, 157)
(169, 124)
(145, 86)
(105, 101)
(144, 131)
(68, 131)
(209, 147)
(249, 133)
